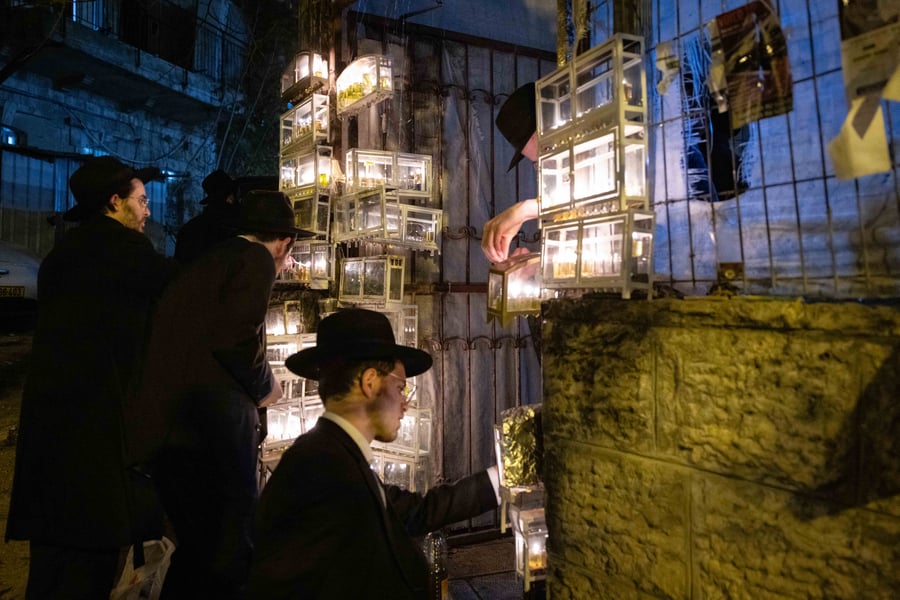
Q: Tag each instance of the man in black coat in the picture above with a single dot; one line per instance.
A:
(74, 496)
(327, 528)
(206, 376)
(215, 223)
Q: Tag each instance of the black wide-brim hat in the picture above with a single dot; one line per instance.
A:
(97, 180)
(218, 185)
(517, 120)
(267, 211)
(356, 334)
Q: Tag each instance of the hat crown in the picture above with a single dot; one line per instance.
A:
(218, 185)
(354, 327)
(268, 211)
(517, 119)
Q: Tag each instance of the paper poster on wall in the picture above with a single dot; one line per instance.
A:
(870, 55)
(750, 64)
(870, 45)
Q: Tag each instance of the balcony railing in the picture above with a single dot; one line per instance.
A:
(169, 31)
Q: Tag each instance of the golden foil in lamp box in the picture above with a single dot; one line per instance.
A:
(363, 82)
(520, 447)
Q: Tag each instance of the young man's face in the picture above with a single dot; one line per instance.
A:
(386, 412)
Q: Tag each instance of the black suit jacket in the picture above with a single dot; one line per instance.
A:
(207, 353)
(322, 531)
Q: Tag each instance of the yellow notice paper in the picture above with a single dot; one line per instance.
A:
(892, 87)
(861, 146)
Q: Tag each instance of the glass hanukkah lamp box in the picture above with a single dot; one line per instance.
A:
(363, 82)
(306, 173)
(514, 287)
(312, 262)
(601, 174)
(307, 181)
(372, 280)
(406, 471)
(603, 87)
(377, 215)
(305, 125)
(306, 73)
(410, 175)
(606, 252)
(530, 529)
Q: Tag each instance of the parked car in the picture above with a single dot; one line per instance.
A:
(18, 287)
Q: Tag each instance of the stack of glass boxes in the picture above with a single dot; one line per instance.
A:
(597, 229)
(518, 449)
(383, 201)
(300, 406)
(304, 161)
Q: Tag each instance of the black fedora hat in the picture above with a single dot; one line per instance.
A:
(356, 334)
(218, 185)
(268, 211)
(517, 120)
(95, 182)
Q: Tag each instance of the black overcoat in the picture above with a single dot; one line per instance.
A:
(97, 290)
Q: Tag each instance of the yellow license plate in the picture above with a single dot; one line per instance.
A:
(12, 291)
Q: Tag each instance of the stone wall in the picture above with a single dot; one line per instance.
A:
(722, 448)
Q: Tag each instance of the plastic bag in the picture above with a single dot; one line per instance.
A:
(146, 581)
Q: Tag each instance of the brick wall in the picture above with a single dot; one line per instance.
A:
(722, 448)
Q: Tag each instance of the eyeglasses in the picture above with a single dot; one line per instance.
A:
(143, 201)
(407, 392)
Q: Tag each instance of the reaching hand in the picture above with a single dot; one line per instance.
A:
(500, 231)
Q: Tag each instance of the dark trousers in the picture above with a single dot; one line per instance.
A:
(73, 573)
(208, 488)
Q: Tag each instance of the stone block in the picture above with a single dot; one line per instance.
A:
(762, 405)
(621, 517)
(598, 387)
(754, 541)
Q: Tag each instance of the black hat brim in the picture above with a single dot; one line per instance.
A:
(254, 226)
(308, 362)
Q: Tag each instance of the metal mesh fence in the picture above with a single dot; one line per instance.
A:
(764, 199)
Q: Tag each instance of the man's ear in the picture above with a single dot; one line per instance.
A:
(369, 382)
(115, 203)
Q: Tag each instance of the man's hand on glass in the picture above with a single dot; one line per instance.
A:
(500, 231)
